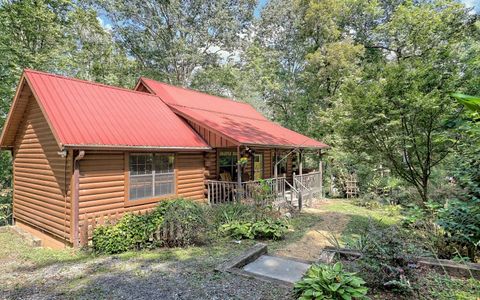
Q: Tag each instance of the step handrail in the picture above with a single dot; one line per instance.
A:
(302, 185)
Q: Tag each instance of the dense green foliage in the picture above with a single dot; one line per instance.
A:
(180, 223)
(461, 221)
(262, 229)
(388, 254)
(172, 223)
(5, 207)
(444, 287)
(184, 223)
(330, 282)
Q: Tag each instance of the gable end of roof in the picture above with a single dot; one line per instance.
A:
(23, 95)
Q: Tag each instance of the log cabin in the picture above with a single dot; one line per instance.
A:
(83, 150)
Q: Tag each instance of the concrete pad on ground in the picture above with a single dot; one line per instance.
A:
(277, 268)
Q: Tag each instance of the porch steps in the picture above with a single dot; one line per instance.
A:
(288, 196)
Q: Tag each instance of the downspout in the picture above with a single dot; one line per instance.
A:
(76, 196)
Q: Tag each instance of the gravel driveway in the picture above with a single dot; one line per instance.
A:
(146, 275)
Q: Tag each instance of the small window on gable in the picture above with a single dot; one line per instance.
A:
(151, 175)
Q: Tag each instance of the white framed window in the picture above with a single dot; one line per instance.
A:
(151, 175)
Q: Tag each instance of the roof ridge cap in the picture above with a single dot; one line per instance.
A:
(88, 82)
(221, 113)
(195, 91)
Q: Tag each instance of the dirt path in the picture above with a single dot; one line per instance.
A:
(308, 248)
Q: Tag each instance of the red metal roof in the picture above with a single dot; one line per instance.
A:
(83, 113)
(174, 95)
(236, 120)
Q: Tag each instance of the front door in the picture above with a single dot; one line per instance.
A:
(258, 166)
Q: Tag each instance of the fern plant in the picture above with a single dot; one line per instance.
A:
(330, 282)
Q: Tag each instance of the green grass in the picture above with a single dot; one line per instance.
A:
(299, 225)
(13, 247)
(360, 217)
(443, 287)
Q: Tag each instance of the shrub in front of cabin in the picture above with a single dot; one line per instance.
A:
(129, 233)
(184, 224)
(172, 223)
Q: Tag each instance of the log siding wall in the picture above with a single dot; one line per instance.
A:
(212, 138)
(104, 183)
(41, 195)
(190, 176)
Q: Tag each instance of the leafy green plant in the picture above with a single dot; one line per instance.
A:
(471, 102)
(413, 215)
(5, 207)
(388, 257)
(461, 221)
(357, 243)
(230, 212)
(265, 229)
(392, 210)
(270, 229)
(110, 239)
(184, 223)
(129, 233)
(176, 222)
(238, 230)
(330, 282)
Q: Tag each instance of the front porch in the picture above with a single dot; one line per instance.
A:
(248, 173)
(279, 190)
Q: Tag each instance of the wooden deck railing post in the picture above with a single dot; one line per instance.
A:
(300, 158)
(239, 175)
(320, 170)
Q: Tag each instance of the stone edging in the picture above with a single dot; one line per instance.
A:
(244, 258)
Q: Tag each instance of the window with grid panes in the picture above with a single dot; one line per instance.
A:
(151, 175)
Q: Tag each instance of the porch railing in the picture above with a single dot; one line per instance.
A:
(303, 189)
(226, 191)
(311, 182)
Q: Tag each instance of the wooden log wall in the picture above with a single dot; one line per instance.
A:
(190, 176)
(290, 168)
(41, 195)
(267, 164)
(103, 178)
(211, 166)
(212, 138)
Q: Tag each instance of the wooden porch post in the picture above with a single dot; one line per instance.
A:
(275, 169)
(300, 155)
(275, 172)
(320, 170)
(239, 175)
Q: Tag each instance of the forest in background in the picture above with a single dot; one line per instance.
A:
(373, 79)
